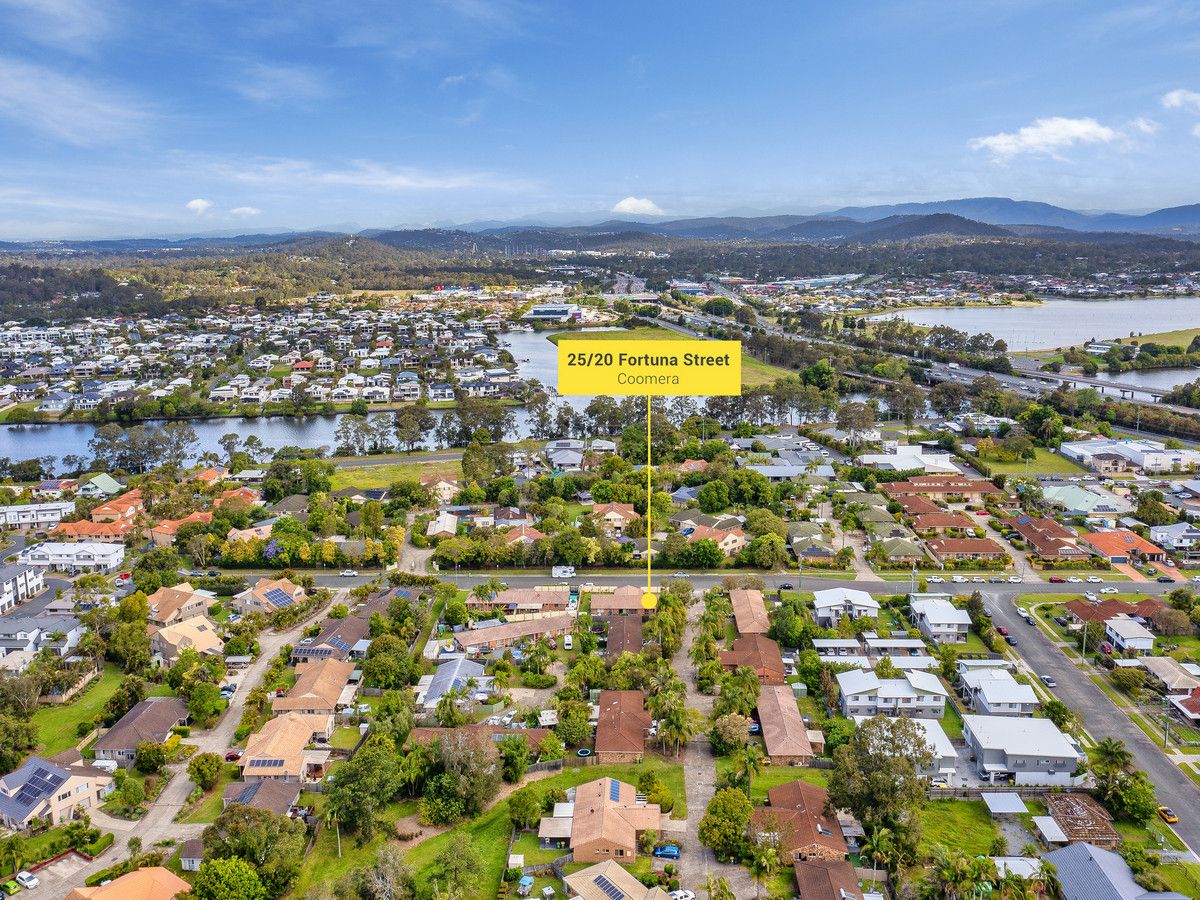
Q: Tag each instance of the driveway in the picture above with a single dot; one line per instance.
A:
(1100, 716)
(159, 822)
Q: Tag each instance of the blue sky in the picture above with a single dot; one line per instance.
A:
(128, 118)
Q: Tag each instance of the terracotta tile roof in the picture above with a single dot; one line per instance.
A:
(1120, 543)
(784, 732)
(757, 651)
(318, 686)
(800, 807)
(941, 520)
(93, 531)
(599, 816)
(623, 722)
(150, 883)
(749, 611)
(827, 879)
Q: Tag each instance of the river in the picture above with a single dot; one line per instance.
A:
(1063, 323)
(536, 358)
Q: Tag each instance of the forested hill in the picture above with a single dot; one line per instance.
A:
(50, 292)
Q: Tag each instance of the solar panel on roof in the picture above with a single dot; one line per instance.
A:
(313, 651)
(264, 763)
(610, 889)
(614, 790)
(340, 644)
(279, 597)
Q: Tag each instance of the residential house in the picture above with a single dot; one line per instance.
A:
(197, 633)
(56, 790)
(87, 556)
(99, 486)
(84, 530)
(608, 880)
(787, 739)
(946, 487)
(126, 507)
(19, 582)
(1050, 541)
(941, 522)
(275, 796)
(826, 879)
(759, 653)
(267, 595)
(150, 720)
(730, 540)
(173, 604)
(797, 816)
(1081, 610)
(1121, 546)
(624, 636)
(321, 689)
(613, 517)
(831, 604)
(456, 674)
(150, 883)
(624, 600)
(603, 822)
(163, 534)
(622, 726)
(1092, 505)
(1128, 635)
(970, 549)
(749, 611)
(915, 694)
(482, 638)
(1023, 750)
(339, 639)
(938, 619)
(1170, 673)
(1087, 872)
(994, 692)
(440, 488)
(279, 750)
(31, 517)
(1182, 539)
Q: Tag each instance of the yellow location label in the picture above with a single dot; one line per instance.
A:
(658, 368)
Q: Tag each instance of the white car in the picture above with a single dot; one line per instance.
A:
(349, 573)
(959, 579)
(1109, 590)
(1014, 579)
(978, 579)
(1074, 579)
(1196, 579)
(938, 579)
(1088, 595)
(568, 642)
(1095, 579)
(1022, 612)
(682, 895)
(29, 880)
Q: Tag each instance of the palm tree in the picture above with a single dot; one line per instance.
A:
(747, 763)
(678, 726)
(718, 888)
(1111, 755)
(1015, 887)
(763, 864)
(537, 657)
(1047, 882)
(12, 849)
(879, 845)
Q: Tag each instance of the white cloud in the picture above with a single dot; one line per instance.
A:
(1143, 125)
(1182, 99)
(268, 83)
(1045, 137)
(69, 24)
(70, 109)
(637, 206)
(1196, 131)
(199, 206)
(245, 212)
(294, 173)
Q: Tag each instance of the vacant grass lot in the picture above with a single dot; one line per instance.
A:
(210, 806)
(323, 864)
(56, 725)
(1043, 463)
(773, 776)
(962, 825)
(384, 474)
(754, 372)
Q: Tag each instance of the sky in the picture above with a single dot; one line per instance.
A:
(129, 118)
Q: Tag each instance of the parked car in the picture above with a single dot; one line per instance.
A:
(785, 586)
(1012, 641)
(667, 851)
(755, 728)
(27, 880)
(1029, 620)
(1167, 815)
(682, 895)
(959, 579)
(1063, 621)
(1057, 579)
(1002, 631)
(1165, 579)
(349, 573)
(938, 579)
(987, 611)
(1074, 579)
(1106, 648)
(1110, 590)
(213, 573)
(10, 888)
(1014, 579)
(1048, 681)
(568, 642)
(233, 755)
(1171, 563)
(996, 579)
(1095, 579)
(1196, 579)
(1022, 612)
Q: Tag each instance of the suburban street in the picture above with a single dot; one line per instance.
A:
(1100, 716)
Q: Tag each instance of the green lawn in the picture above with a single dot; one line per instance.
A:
(322, 865)
(382, 475)
(56, 724)
(962, 825)
(1181, 337)
(210, 806)
(527, 844)
(952, 722)
(1043, 463)
(754, 372)
(1153, 836)
(773, 776)
(345, 738)
(489, 832)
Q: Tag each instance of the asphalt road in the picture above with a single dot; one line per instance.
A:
(1100, 716)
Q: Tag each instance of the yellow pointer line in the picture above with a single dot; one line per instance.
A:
(648, 519)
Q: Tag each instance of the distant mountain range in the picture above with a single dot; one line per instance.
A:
(973, 217)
